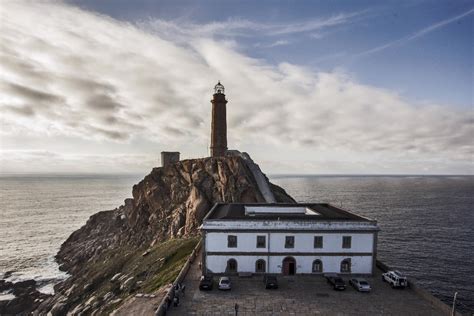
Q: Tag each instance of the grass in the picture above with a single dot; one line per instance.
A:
(178, 252)
(159, 267)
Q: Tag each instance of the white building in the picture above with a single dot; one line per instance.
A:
(288, 239)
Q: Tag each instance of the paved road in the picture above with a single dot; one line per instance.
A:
(299, 295)
(141, 305)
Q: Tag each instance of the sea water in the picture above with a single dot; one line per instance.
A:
(426, 221)
(38, 213)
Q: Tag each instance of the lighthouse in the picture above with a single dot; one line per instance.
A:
(218, 123)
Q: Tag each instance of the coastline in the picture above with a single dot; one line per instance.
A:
(322, 189)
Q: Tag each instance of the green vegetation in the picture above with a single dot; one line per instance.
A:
(142, 270)
(178, 252)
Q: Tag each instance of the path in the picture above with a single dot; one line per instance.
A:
(145, 306)
(262, 182)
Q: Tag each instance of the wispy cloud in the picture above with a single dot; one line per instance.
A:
(317, 35)
(416, 34)
(273, 44)
(235, 27)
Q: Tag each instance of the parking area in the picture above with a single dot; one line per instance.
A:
(298, 295)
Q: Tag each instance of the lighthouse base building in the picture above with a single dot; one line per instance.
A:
(287, 239)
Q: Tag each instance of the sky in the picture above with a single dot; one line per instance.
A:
(313, 87)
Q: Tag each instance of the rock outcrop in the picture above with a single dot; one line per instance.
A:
(27, 297)
(168, 203)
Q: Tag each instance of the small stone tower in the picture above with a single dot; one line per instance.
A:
(169, 157)
(219, 123)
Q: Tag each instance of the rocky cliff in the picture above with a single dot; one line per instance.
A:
(168, 204)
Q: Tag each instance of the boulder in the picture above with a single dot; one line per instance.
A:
(127, 283)
(108, 296)
(5, 285)
(115, 277)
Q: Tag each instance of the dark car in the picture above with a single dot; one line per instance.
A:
(270, 281)
(205, 283)
(336, 281)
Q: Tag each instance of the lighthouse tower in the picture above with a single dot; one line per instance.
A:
(218, 124)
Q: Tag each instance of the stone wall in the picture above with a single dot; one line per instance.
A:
(162, 308)
(169, 157)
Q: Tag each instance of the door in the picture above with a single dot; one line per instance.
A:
(289, 266)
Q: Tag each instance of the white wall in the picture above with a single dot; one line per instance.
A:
(331, 264)
(304, 242)
(218, 264)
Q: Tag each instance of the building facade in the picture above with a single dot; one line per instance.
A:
(287, 239)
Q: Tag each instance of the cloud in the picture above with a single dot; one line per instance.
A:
(29, 93)
(273, 44)
(317, 35)
(96, 80)
(416, 34)
(20, 110)
(40, 160)
(236, 27)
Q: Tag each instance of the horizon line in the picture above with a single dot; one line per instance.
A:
(62, 174)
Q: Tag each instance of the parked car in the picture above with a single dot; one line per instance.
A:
(336, 281)
(270, 281)
(205, 283)
(224, 283)
(360, 285)
(395, 279)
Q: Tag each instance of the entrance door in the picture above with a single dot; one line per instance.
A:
(289, 266)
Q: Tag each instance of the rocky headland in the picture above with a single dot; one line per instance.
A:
(141, 245)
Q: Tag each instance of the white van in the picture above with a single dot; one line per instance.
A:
(395, 279)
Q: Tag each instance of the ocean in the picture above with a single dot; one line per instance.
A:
(38, 213)
(426, 221)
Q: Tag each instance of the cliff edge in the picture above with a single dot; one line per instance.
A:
(139, 245)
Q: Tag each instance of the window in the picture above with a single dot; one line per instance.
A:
(231, 266)
(231, 241)
(317, 266)
(290, 242)
(346, 241)
(261, 242)
(346, 265)
(318, 241)
(260, 265)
